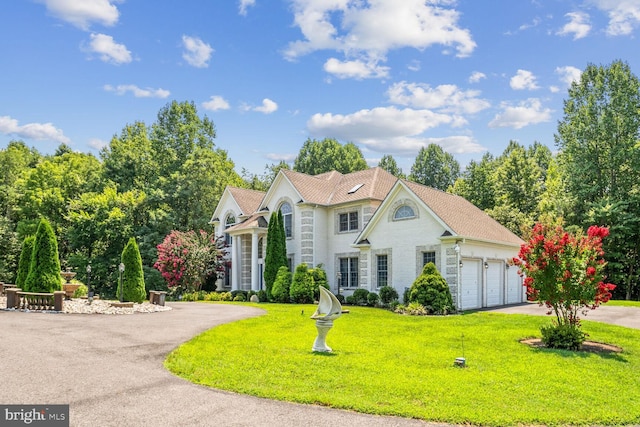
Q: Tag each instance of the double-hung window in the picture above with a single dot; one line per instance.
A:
(349, 272)
(382, 270)
(348, 221)
(428, 257)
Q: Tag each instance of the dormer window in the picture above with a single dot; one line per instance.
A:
(404, 212)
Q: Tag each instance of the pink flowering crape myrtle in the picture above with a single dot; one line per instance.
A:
(565, 272)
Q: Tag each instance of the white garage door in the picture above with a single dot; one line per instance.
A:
(494, 283)
(514, 286)
(470, 284)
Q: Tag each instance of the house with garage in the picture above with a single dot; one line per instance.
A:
(370, 229)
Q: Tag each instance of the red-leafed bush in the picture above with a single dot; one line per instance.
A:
(187, 260)
(565, 272)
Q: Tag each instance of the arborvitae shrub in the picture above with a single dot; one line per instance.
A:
(44, 268)
(360, 296)
(320, 279)
(133, 276)
(431, 290)
(281, 286)
(25, 261)
(388, 294)
(302, 286)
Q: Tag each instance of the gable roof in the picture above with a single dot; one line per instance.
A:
(254, 221)
(333, 188)
(461, 216)
(247, 200)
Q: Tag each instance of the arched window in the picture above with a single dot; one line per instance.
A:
(231, 220)
(404, 212)
(287, 218)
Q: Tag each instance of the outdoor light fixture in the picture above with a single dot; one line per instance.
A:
(460, 263)
(89, 292)
(486, 265)
(121, 270)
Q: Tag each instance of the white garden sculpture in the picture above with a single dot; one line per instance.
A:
(329, 309)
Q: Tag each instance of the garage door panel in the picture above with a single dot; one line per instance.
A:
(470, 285)
(514, 286)
(494, 283)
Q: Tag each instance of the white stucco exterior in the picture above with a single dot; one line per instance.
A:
(380, 243)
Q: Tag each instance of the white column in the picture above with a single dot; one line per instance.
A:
(235, 263)
(255, 269)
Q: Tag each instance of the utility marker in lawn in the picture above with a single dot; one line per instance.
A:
(329, 309)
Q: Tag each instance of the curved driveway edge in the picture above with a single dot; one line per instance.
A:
(613, 314)
(109, 369)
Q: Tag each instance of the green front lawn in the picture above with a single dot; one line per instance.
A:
(384, 363)
(624, 303)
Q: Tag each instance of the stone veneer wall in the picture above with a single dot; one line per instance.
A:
(245, 269)
(306, 237)
(451, 272)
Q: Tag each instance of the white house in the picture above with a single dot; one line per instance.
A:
(370, 229)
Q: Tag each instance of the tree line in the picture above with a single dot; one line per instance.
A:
(153, 179)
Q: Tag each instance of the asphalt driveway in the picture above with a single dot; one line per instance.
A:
(623, 316)
(109, 369)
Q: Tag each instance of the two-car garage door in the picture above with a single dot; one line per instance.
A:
(503, 286)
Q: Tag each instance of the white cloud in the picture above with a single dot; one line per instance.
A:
(578, 25)
(569, 74)
(197, 53)
(355, 69)
(624, 15)
(523, 80)
(216, 103)
(366, 31)
(476, 76)
(554, 89)
(109, 50)
(37, 131)
(244, 5)
(82, 13)
(525, 113)
(137, 91)
(414, 65)
(381, 122)
(288, 157)
(97, 143)
(446, 98)
(267, 107)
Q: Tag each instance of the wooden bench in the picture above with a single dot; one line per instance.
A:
(157, 297)
(34, 300)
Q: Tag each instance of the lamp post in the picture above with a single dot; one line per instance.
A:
(121, 270)
(89, 291)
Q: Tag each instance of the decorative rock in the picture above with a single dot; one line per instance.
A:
(254, 298)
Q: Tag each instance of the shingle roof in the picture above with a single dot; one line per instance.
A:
(254, 221)
(463, 217)
(333, 188)
(248, 200)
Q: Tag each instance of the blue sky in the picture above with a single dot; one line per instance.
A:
(389, 75)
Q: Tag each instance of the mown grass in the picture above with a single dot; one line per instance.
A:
(390, 364)
(624, 303)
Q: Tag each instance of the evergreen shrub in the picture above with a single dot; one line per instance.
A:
(133, 289)
(44, 268)
(302, 285)
(431, 290)
(25, 260)
(388, 294)
(282, 286)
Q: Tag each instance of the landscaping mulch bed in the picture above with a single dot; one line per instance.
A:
(588, 346)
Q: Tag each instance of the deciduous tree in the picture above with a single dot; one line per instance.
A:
(435, 168)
